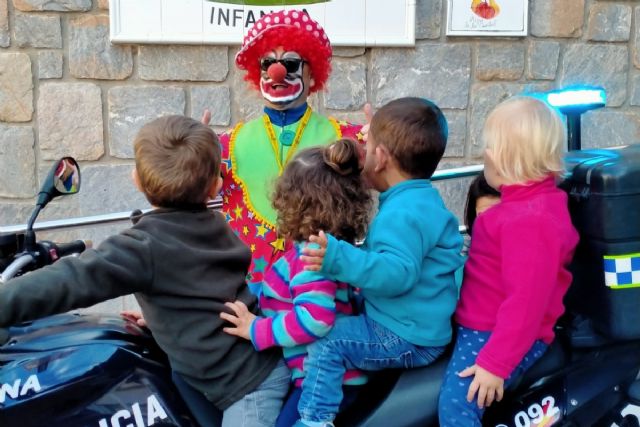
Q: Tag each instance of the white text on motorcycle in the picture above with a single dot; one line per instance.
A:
(155, 412)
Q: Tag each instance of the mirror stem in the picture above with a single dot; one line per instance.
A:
(30, 235)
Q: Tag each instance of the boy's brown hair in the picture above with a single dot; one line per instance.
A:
(415, 131)
(177, 159)
(322, 189)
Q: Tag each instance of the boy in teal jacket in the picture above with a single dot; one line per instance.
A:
(405, 270)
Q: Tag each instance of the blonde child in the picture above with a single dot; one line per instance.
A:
(516, 274)
(321, 188)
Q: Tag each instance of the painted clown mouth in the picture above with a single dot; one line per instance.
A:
(281, 91)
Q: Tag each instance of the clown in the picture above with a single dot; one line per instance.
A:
(286, 56)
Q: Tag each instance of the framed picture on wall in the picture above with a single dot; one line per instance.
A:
(487, 17)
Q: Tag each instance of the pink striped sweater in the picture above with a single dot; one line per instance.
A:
(299, 307)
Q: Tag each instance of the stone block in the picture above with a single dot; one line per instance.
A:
(609, 128)
(484, 97)
(556, 18)
(52, 5)
(635, 46)
(16, 147)
(428, 19)
(103, 4)
(609, 22)
(183, 63)
(347, 85)
(634, 96)
(131, 107)
(500, 61)
(216, 99)
(70, 121)
(108, 188)
(16, 87)
(543, 60)
(49, 64)
(91, 54)
(457, 121)
(37, 31)
(5, 38)
(348, 52)
(246, 100)
(454, 191)
(597, 64)
(15, 213)
(440, 72)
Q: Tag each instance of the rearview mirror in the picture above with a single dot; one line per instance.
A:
(66, 177)
(63, 178)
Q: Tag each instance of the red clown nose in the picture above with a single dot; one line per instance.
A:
(277, 72)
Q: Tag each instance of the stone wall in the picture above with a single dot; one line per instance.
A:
(65, 90)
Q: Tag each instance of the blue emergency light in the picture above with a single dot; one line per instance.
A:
(577, 99)
(573, 102)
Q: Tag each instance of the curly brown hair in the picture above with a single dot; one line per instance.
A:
(322, 189)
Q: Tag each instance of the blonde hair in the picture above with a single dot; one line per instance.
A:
(526, 138)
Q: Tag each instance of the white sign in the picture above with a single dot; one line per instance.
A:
(487, 17)
(347, 22)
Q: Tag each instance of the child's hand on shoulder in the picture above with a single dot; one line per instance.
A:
(241, 319)
(489, 387)
(313, 258)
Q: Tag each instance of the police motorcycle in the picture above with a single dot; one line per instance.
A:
(105, 371)
(73, 369)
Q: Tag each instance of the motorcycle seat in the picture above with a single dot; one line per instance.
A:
(551, 362)
(398, 397)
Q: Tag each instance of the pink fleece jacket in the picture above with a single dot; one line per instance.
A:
(516, 275)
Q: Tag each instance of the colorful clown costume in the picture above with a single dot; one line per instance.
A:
(253, 156)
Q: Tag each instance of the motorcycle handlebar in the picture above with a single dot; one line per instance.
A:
(15, 267)
(47, 253)
(75, 247)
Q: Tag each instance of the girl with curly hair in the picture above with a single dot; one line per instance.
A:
(321, 188)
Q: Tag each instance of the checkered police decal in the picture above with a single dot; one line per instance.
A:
(622, 271)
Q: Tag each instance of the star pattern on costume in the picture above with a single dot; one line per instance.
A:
(259, 236)
(227, 163)
(278, 245)
(260, 264)
(238, 211)
(261, 231)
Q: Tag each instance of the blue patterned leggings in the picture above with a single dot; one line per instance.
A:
(453, 408)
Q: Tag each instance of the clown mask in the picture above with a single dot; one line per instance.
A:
(285, 79)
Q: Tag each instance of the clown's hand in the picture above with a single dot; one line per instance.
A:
(206, 117)
(368, 115)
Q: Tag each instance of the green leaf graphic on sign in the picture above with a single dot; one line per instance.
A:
(269, 2)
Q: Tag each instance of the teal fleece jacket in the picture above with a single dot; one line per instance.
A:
(406, 266)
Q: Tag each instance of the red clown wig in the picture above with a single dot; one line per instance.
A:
(296, 32)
